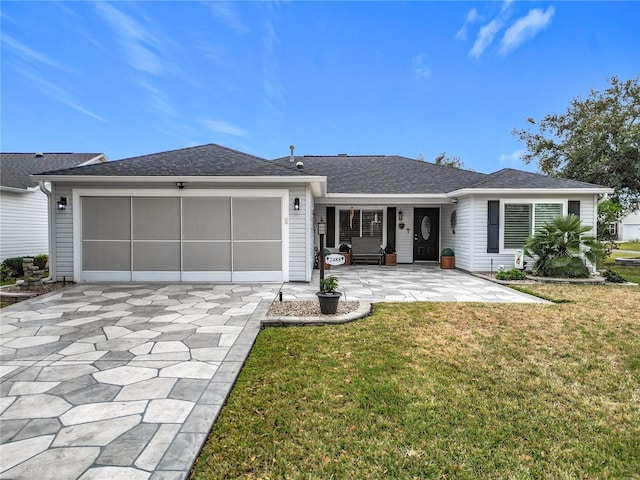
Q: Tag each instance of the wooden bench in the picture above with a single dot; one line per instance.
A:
(366, 250)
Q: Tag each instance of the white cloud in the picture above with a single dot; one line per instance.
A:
(220, 126)
(514, 158)
(60, 94)
(30, 54)
(472, 16)
(525, 28)
(485, 37)
(137, 41)
(228, 14)
(419, 68)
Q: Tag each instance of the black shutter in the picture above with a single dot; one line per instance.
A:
(331, 227)
(493, 227)
(574, 207)
(391, 226)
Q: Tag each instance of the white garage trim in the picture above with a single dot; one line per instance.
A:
(241, 276)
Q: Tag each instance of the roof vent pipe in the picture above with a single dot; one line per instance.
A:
(291, 157)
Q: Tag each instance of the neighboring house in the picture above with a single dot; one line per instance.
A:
(214, 214)
(23, 204)
(628, 227)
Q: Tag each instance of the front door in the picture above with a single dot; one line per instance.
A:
(426, 233)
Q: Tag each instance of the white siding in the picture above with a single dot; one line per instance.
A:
(461, 242)
(23, 224)
(298, 235)
(404, 237)
(310, 234)
(63, 232)
(481, 261)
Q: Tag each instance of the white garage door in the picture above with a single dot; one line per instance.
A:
(630, 231)
(181, 239)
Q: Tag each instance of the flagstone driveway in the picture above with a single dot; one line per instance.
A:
(120, 381)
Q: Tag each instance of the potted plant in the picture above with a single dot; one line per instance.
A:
(346, 251)
(328, 296)
(447, 258)
(390, 256)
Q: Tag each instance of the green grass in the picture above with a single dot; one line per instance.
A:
(629, 273)
(435, 390)
(635, 246)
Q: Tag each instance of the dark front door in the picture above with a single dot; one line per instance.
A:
(426, 233)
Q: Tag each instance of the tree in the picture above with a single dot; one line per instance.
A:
(445, 161)
(597, 140)
(558, 247)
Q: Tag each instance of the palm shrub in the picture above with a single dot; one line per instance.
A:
(558, 248)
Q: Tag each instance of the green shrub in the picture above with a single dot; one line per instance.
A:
(15, 265)
(5, 273)
(613, 277)
(447, 252)
(558, 246)
(513, 274)
(329, 284)
(41, 260)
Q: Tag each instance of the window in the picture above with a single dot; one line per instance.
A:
(521, 220)
(612, 228)
(359, 223)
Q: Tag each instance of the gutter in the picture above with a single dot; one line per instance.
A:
(51, 225)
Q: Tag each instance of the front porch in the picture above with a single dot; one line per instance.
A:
(418, 282)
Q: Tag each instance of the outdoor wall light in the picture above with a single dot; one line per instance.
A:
(296, 204)
(400, 215)
(322, 227)
(62, 203)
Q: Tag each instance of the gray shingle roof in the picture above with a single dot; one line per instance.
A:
(383, 174)
(15, 168)
(510, 178)
(203, 160)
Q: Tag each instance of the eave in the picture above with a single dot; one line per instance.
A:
(530, 191)
(318, 183)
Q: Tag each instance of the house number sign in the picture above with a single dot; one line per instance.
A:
(334, 259)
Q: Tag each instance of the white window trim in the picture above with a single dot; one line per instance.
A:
(525, 201)
(361, 208)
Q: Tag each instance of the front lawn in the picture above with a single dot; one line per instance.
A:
(629, 273)
(442, 390)
(635, 246)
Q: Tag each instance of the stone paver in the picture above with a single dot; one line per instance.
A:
(125, 380)
(119, 381)
(408, 283)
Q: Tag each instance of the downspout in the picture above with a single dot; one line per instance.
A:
(51, 219)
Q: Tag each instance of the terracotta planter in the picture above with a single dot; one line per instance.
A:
(391, 259)
(328, 302)
(447, 262)
(347, 258)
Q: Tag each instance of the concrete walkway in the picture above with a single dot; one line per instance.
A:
(409, 283)
(125, 381)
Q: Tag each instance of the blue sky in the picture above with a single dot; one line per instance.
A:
(405, 78)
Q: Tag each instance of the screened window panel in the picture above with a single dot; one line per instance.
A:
(372, 224)
(544, 212)
(517, 225)
(349, 229)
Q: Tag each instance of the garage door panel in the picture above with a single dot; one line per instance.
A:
(106, 218)
(109, 256)
(206, 218)
(156, 218)
(257, 256)
(257, 219)
(206, 256)
(156, 256)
